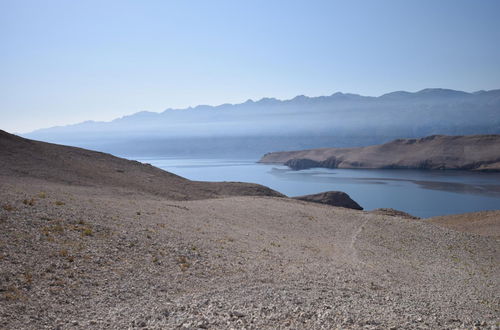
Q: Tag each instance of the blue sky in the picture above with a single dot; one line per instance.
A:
(68, 61)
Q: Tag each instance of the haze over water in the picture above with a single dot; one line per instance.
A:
(420, 193)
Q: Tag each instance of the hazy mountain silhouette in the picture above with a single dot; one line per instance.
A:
(255, 127)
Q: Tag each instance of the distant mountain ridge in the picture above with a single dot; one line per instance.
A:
(337, 120)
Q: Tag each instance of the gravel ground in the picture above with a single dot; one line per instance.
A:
(86, 257)
(485, 223)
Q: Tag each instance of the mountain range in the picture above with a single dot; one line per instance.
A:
(256, 127)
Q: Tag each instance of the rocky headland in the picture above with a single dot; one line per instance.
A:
(333, 198)
(92, 241)
(436, 152)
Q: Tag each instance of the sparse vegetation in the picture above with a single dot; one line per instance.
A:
(56, 228)
(87, 231)
(59, 203)
(183, 263)
(13, 293)
(28, 278)
(8, 207)
(29, 202)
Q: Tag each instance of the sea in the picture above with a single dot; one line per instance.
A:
(421, 193)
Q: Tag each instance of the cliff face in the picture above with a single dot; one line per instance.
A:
(472, 152)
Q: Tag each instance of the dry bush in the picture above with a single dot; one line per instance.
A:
(183, 263)
(29, 202)
(8, 207)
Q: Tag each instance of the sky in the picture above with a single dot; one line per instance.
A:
(63, 62)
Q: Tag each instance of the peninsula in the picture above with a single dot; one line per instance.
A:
(436, 152)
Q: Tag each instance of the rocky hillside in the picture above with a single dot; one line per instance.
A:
(333, 198)
(63, 164)
(472, 152)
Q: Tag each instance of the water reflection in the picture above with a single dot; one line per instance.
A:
(443, 180)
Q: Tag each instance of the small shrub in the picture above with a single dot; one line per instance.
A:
(87, 232)
(63, 253)
(8, 207)
(59, 203)
(29, 202)
(183, 263)
(13, 293)
(57, 228)
(28, 278)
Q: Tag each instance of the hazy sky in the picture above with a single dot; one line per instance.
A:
(68, 61)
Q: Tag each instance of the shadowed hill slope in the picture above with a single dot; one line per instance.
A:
(57, 163)
(472, 152)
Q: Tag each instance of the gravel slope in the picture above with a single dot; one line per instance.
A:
(100, 257)
(486, 223)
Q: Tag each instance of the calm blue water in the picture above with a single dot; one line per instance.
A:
(421, 193)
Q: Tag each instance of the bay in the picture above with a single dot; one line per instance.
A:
(418, 192)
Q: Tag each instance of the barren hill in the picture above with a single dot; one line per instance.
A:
(486, 223)
(88, 240)
(71, 165)
(472, 152)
